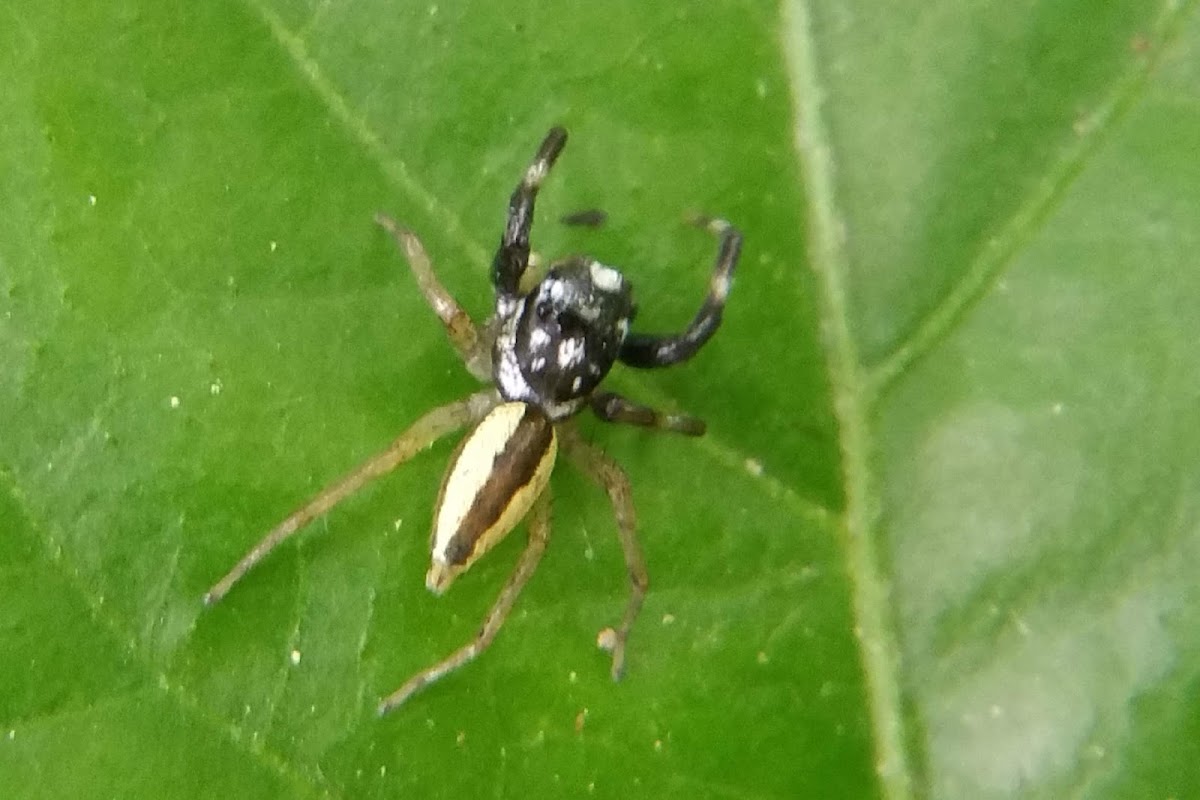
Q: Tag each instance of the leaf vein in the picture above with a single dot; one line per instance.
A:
(870, 589)
(999, 252)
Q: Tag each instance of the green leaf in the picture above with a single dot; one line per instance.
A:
(940, 539)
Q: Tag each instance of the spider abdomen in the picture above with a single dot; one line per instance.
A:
(495, 475)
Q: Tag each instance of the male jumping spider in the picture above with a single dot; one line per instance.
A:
(544, 351)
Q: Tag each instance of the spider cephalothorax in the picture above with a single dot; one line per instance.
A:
(563, 337)
(545, 352)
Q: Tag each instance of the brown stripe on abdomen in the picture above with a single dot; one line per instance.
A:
(512, 470)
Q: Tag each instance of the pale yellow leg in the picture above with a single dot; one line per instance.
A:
(597, 465)
(424, 432)
(539, 535)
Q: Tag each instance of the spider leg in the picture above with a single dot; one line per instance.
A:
(424, 432)
(539, 535)
(653, 350)
(601, 468)
(612, 407)
(512, 257)
(464, 335)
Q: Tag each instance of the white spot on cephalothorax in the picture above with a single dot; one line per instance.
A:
(538, 339)
(578, 382)
(623, 327)
(606, 279)
(555, 290)
(509, 379)
(570, 352)
(538, 364)
(508, 306)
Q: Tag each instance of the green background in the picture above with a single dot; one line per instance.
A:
(941, 539)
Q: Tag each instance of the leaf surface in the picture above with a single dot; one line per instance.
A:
(938, 542)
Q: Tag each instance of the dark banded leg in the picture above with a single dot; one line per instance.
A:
(539, 535)
(608, 473)
(462, 331)
(512, 257)
(612, 407)
(424, 432)
(653, 350)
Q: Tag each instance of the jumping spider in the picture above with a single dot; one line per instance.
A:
(544, 352)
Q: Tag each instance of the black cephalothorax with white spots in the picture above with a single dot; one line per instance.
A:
(544, 352)
(563, 338)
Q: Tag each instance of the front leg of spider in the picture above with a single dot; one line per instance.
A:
(545, 351)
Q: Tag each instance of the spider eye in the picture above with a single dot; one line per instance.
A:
(569, 320)
(543, 310)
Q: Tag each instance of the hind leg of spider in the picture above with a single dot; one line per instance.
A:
(464, 334)
(424, 432)
(612, 407)
(655, 350)
(512, 256)
(539, 535)
(608, 474)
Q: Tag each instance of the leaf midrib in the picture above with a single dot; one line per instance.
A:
(875, 625)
